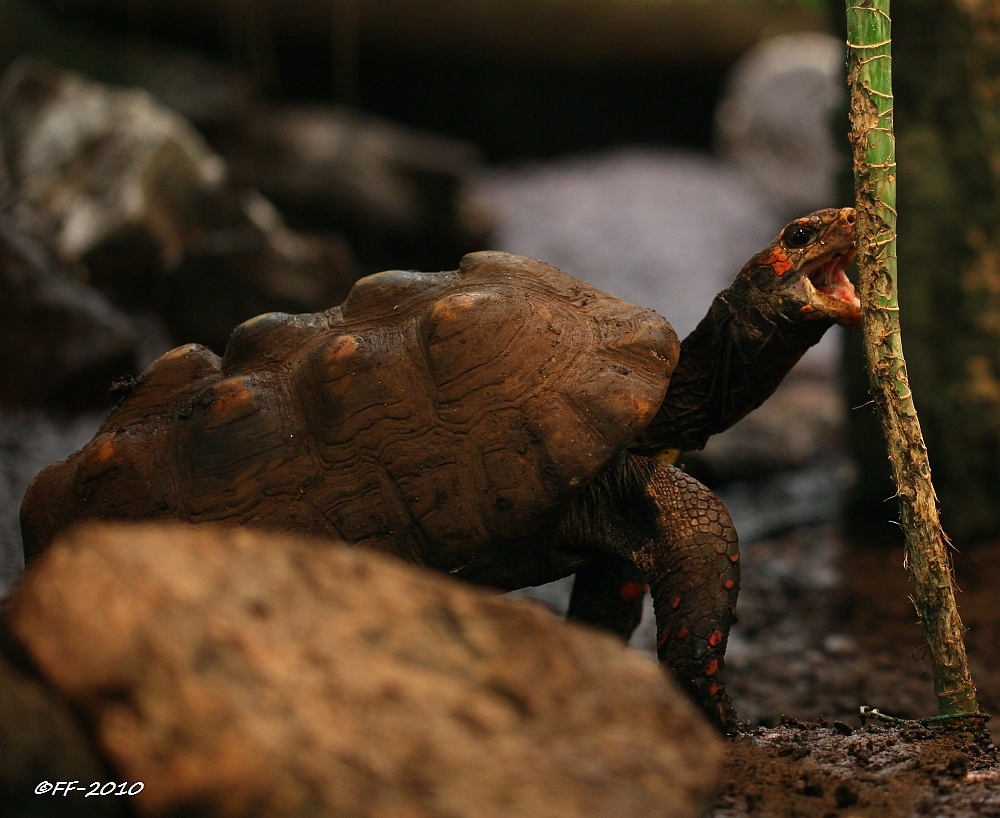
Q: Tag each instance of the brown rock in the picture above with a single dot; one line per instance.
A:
(240, 673)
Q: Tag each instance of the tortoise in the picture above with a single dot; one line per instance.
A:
(504, 422)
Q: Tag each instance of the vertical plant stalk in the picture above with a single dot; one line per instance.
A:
(869, 76)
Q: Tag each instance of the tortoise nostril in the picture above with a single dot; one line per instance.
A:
(849, 216)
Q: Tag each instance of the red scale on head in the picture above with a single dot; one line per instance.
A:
(778, 261)
(713, 668)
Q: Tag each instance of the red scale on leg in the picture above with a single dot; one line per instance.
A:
(630, 591)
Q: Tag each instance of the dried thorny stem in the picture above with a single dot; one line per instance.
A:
(869, 66)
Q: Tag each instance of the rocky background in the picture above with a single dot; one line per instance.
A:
(157, 187)
(125, 230)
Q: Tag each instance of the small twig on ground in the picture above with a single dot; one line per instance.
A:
(975, 720)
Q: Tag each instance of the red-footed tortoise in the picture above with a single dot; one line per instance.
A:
(497, 422)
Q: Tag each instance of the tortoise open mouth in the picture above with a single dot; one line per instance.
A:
(830, 292)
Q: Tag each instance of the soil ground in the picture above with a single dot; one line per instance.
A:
(807, 770)
(827, 626)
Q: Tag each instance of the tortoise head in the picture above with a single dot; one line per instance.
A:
(805, 268)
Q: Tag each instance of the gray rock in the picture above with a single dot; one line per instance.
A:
(386, 184)
(775, 119)
(30, 439)
(803, 422)
(62, 343)
(243, 673)
(132, 193)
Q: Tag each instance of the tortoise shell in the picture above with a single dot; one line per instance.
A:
(438, 416)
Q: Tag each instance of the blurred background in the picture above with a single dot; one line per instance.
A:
(170, 169)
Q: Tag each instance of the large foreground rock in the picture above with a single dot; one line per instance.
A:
(241, 673)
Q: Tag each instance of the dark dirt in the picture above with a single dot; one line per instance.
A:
(804, 769)
(826, 626)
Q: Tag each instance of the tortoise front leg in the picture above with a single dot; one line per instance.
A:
(609, 593)
(680, 538)
(694, 576)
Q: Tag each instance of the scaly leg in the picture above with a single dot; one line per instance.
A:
(695, 579)
(678, 534)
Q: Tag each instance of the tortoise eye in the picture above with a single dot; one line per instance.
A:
(799, 236)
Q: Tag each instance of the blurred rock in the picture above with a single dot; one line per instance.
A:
(240, 673)
(206, 93)
(391, 189)
(210, 95)
(62, 344)
(131, 192)
(31, 439)
(804, 421)
(775, 120)
(41, 740)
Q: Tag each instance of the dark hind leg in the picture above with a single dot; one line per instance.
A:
(609, 593)
(678, 534)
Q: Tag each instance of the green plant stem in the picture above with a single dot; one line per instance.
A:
(869, 68)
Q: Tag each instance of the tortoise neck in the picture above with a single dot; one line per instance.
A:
(729, 365)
